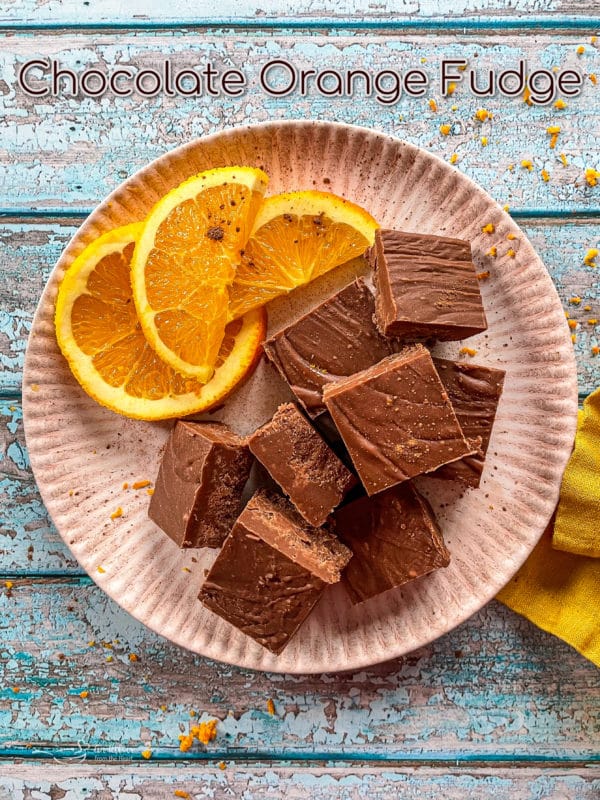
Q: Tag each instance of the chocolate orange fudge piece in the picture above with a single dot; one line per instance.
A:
(336, 339)
(302, 463)
(272, 570)
(426, 287)
(474, 392)
(198, 491)
(394, 537)
(396, 419)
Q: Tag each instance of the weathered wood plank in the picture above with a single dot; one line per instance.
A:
(181, 11)
(496, 687)
(69, 152)
(48, 781)
(29, 250)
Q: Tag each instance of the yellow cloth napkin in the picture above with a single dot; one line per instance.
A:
(558, 587)
(577, 526)
(560, 593)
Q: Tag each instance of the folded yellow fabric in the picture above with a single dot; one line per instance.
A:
(560, 593)
(577, 526)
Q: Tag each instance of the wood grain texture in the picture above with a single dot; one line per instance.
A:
(496, 687)
(181, 11)
(49, 781)
(29, 250)
(70, 152)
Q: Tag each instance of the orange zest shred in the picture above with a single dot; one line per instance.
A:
(489, 228)
(593, 78)
(527, 96)
(580, 50)
(592, 321)
(222, 765)
(433, 105)
(101, 570)
(451, 89)
(146, 754)
(591, 176)
(590, 257)
(117, 513)
(560, 104)
(181, 793)
(526, 163)
(511, 236)
(484, 141)
(150, 492)
(84, 694)
(125, 485)
(133, 657)
(204, 732)
(572, 323)
(595, 350)
(573, 338)
(140, 484)
(270, 706)
(511, 253)
(467, 351)
(16, 689)
(483, 276)
(482, 114)
(563, 159)
(493, 252)
(454, 158)
(545, 175)
(575, 300)
(445, 129)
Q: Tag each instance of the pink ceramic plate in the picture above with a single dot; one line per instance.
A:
(81, 453)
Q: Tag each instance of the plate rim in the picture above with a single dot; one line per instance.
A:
(77, 242)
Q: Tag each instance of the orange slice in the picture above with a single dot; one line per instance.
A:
(99, 334)
(185, 261)
(296, 237)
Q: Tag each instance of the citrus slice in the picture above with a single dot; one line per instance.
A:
(99, 334)
(185, 260)
(296, 237)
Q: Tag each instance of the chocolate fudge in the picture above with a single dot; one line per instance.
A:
(302, 463)
(336, 339)
(198, 491)
(426, 287)
(474, 392)
(394, 537)
(272, 570)
(396, 419)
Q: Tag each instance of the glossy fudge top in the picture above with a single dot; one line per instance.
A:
(271, 571)
(302, 463)
(394, 537)
(198, 490)
(474, 392)
(336, 339)
(426, 286)
(396, 419)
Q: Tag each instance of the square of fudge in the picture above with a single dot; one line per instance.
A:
(394, 537)
(396, 419)
(474, 392)
(302, 464)
(272, 570)
(336, 339)
(426, 287)
(198, 491)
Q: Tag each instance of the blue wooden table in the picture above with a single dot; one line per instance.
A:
(92, 703)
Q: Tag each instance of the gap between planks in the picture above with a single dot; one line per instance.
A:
(499, 25)
(40, 752)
